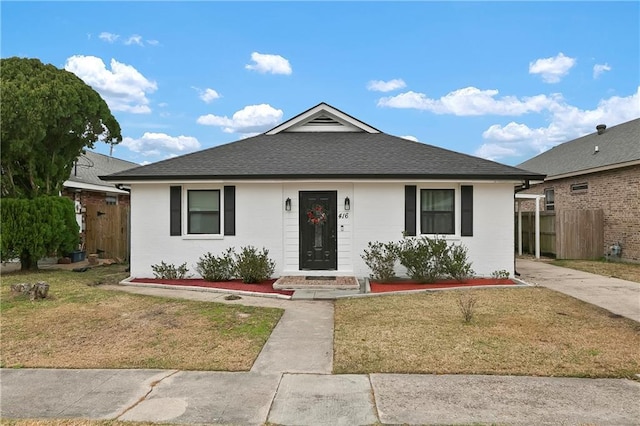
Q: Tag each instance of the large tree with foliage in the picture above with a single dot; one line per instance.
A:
(47, 117)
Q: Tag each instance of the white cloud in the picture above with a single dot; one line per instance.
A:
(494, 152)
(468, 101)
(566, 122)
(123, 87)
(134, 39)
(273, 64)
(154, 144)
(252, 119)
(552, 69)
(108, 37)
(410, 138)
(209, 95)
(598, 69)
(386, 86)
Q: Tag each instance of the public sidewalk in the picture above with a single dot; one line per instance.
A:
(193, 397)
(617, 296)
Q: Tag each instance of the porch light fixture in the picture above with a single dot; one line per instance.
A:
(347, 203)
(287, 204)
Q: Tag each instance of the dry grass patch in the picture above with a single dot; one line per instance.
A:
(531, 331)
(622, 270)
(81, 325)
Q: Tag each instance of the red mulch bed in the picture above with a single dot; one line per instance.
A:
(403, 285)
(263, 287)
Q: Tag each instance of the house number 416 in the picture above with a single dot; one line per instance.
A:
(343, 216)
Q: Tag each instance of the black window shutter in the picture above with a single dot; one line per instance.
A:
(466, 207)
(229, 210)
(175, 209)
(410, 210)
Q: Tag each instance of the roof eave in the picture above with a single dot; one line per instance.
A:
(594, 170)
(408, 176)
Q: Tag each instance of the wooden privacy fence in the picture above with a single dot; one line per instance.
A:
(107, 231)
(579, 234)
(565, 234)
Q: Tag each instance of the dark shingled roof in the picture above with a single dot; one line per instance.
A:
(617, 145)
(324, 155)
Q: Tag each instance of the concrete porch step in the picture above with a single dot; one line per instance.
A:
(316, 283)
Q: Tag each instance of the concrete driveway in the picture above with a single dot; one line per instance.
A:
(617, 296)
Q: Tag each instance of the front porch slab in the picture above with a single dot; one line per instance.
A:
(316, 283)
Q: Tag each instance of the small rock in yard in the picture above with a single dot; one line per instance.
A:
(39, 290)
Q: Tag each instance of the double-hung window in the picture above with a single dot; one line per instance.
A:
(549, 199)
(203, 211)
(437, 211)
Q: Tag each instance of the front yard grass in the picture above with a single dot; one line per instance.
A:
(81, 325)
(623, 270)
(520, 331)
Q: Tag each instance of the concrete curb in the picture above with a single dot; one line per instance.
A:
(127, 282)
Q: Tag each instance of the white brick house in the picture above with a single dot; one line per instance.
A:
(314, 191)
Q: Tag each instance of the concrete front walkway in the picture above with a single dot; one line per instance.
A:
(618, 296)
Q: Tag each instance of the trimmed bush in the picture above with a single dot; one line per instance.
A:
(170, 271)
(501, 274)
(457, 265)
(253, 266)
(381, 259)
(424, 258)
(217, 268)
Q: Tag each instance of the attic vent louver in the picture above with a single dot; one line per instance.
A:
(324, 121)
(601, 128)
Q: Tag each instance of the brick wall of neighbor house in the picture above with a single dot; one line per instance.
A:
(94, 198)
(616, 192)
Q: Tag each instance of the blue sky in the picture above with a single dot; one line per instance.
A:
(499, 80)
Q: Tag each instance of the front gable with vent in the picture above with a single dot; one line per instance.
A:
(323, 118)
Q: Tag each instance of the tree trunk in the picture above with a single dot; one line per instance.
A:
(28, 263)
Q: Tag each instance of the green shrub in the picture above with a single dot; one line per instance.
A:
(457, 265)
(423, 257)
(253, 266)
(217, 268)
(169, 271)
(501, 274)
(381, 259)
(34, 228)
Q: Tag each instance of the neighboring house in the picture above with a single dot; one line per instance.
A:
(314, 191)
(91, 194)
(597, 171)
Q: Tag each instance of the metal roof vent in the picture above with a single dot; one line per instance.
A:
(600, 128)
